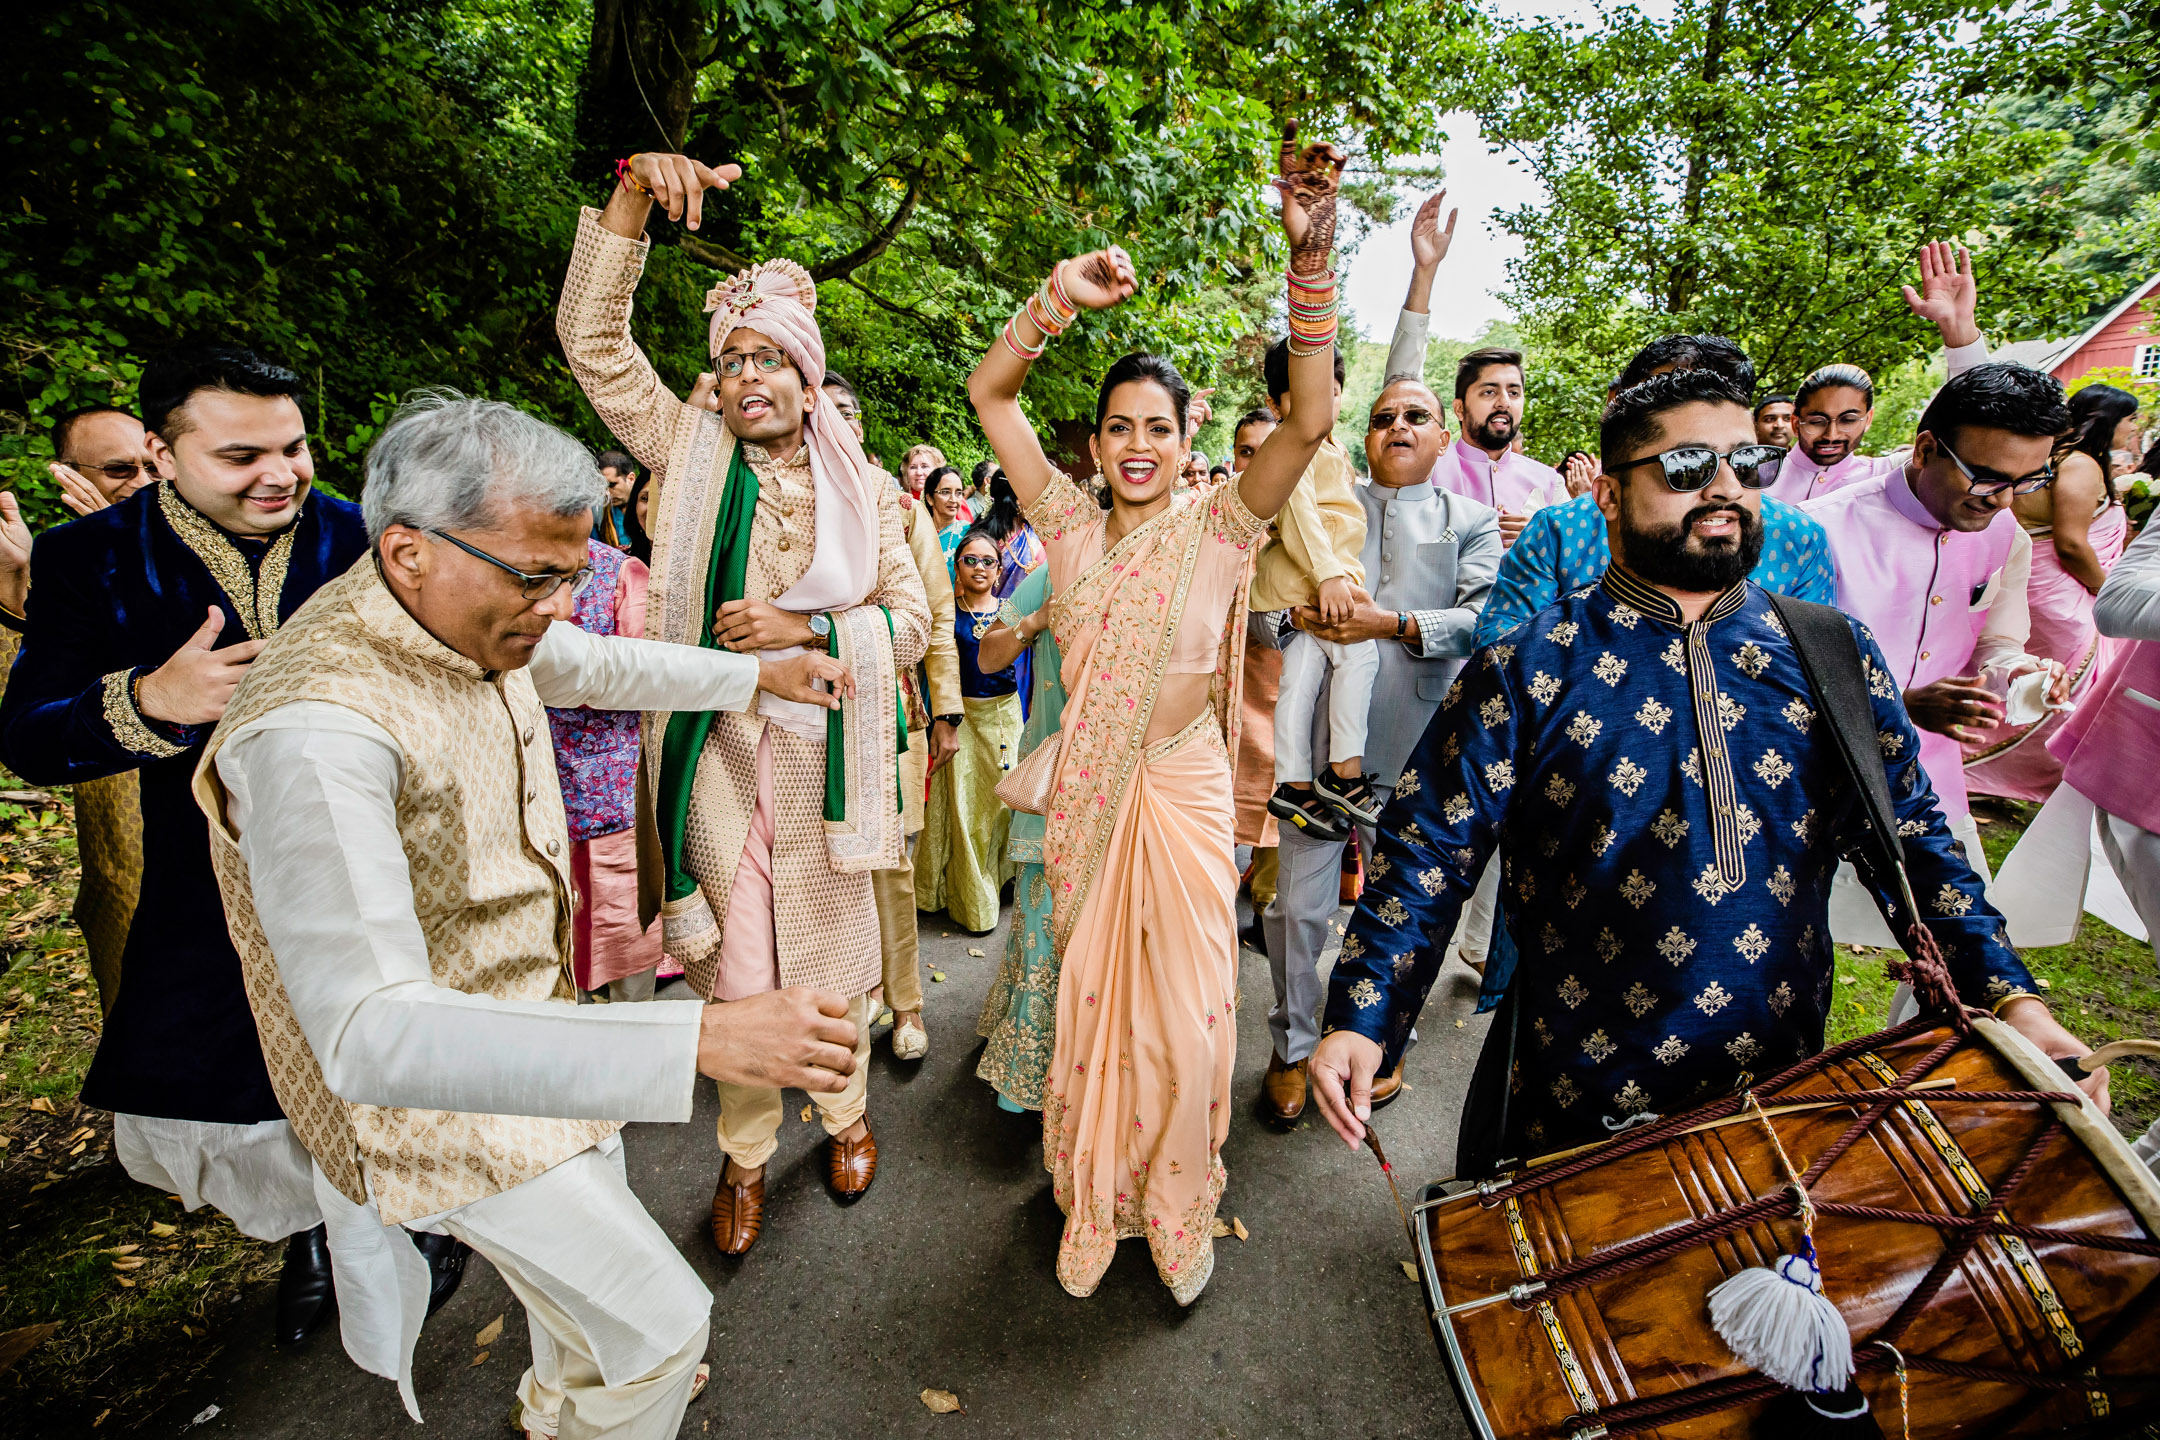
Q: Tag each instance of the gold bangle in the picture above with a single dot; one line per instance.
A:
(1996, 1008)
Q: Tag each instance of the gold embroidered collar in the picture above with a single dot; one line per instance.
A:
(254, 596)
(1637, 594)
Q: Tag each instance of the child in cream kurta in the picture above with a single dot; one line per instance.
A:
(1314, 561)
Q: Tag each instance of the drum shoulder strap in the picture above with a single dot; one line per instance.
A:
(1830, 659)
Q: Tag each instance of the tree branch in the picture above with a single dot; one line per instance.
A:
(840, 267)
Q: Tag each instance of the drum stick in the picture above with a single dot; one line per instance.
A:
(2080, 1067)
(1945, 1082)
(1372, 1138)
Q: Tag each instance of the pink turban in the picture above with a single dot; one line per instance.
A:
(776, 298)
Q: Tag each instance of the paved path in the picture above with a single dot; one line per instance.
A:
(942, 1276)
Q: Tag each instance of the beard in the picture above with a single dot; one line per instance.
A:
(1674, 556)
(1495, 432)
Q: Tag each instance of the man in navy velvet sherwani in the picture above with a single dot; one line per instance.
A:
(1646, 755)
(141, 620)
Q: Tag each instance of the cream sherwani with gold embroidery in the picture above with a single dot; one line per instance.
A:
(825, 921)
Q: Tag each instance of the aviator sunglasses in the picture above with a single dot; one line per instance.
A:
(1417, 417)
(1691, 467)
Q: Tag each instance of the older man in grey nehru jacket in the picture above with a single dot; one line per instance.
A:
(1429, 558)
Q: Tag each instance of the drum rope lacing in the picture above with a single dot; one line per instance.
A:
(1930, 979)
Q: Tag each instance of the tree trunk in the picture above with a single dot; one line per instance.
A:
(640, 78)
(1686, 271)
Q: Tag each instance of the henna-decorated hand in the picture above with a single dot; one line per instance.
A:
(1100, 278)
(1308, 182)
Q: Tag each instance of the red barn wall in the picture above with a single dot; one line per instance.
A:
(2118, 343)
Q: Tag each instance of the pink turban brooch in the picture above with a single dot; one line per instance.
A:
(776, 298)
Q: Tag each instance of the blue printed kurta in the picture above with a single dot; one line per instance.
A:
(1564, 547)
(1662, 796)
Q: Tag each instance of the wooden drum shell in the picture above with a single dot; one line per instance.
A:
(1648, 1333)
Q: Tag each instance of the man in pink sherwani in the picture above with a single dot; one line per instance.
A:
(1484, 465)
(1930, 558)
(1835, 406)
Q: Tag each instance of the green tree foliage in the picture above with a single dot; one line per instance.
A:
(1764, 169)
(2105, 177)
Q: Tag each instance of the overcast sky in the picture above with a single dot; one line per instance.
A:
(1481, 185)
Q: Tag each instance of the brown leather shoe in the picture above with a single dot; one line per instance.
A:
(738, 1213)
(850, 1165)
(1282, 1089)
(1387, 1087)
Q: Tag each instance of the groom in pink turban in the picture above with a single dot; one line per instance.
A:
(771, 532)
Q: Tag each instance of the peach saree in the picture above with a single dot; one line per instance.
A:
(1137, 849)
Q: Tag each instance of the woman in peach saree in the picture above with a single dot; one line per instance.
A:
(1149, 615)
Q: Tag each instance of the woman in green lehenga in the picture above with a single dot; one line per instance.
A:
(1019, 1018)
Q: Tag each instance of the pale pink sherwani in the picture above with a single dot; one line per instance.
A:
(1800, 479)
(1514, 483)
(1939, 602)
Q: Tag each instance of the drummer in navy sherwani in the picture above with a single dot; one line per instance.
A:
(1646, 756)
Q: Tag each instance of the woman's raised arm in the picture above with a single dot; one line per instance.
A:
(1094, 281)
(1309, 180)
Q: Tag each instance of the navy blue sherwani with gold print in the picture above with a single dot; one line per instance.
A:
(1663, 797)
(112, 596)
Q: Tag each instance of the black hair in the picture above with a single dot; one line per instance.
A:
(1571, 455)
(63, 425)
(1691, 352)
(171, 378)
(1258, 415)
(1003, 517)
(2151, 464)
(1632, 418)
(1275, 370)
(1768, 400)
(1153, 368)
(1218, 471)
(1996, 396)
(639, 543)
(2095, 411)
(1831, 377)
(1477, 362)
(615, 460)
(984, 469)
(834, 380)
(930, 481)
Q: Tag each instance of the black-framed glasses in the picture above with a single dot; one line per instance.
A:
(1417, 417)
(978, 562)
(767, 361)
(532, 587)
(1995, 484)
(1691, 467)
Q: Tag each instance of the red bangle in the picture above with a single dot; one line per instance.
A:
(630, 182)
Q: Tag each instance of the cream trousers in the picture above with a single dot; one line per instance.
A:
(750, 1115)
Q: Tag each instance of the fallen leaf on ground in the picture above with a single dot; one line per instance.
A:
(125, 1249)
(807, 1112)
(1237, 1228)
(1221, 1230)
(100, 1418)
(1458, 1024)
(942, 1402)
(123, 1282)
(129, 1262)
(2044, 985)
(938, 975)
(160, 1229)
(478, 1360)
(42, 1105)
(489, 1333)
(1848, 979)
(1408, 1268)
(17, 1343)
(978, 954)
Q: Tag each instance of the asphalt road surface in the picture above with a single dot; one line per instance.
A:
(942, 1277)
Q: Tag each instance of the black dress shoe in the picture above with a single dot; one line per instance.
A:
(445, 1256)
(306, 1295)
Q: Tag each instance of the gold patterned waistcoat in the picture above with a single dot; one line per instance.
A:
(481, 817)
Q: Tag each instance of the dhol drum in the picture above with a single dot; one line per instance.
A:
(1991, 1246)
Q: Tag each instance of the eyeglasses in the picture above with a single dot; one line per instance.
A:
(767, 361)
(532, 587)
(119, 471)
(978, 562)
(1691, 467)
(1417, 417)
(946, 494)
(1995, 484)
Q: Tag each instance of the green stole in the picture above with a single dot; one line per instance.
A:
(687, 729)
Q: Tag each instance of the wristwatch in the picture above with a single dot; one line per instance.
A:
(952, 720)
(821, 631)
(1402, 623)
